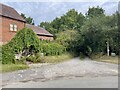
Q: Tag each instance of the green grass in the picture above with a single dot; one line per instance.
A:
(57, 59)
(108, 59)
(12, 67)
(47, 59)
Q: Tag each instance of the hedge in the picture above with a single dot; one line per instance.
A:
(8, 55)
(24, 41)
(52, 48)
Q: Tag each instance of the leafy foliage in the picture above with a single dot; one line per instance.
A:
(52, 48)
(71, 20)
(29, 20)
(25, 41)
(95, 12)
(92, 31)
(8, 56)
(66, 38)
(74, 32)
(96, 32)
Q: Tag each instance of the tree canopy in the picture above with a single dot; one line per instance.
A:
(29, 20)
(94, 30)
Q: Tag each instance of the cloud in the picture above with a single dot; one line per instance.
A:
(47, 11)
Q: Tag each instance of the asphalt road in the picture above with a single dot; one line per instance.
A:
(73, 82)
(72, 73)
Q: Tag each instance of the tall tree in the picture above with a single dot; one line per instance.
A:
(29, 20)
(95, 12)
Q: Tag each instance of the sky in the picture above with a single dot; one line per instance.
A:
(47, 11)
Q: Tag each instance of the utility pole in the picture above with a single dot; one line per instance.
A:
(108, 49)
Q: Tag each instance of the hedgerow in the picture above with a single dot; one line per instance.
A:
(52, 48)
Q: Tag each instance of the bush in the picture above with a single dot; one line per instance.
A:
(25, 42)
(96, 56)
(35, 58)
(8, 56)
(31, 59)
(82, 56)
(21, 61)
(52, 49)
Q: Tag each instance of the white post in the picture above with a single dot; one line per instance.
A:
(108, 50)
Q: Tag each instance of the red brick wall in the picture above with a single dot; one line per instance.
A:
(7, 35)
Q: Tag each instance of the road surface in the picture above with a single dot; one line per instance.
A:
(72, 74)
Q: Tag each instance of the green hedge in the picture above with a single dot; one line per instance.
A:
(24, 41)
(52, 48)
(8, 55)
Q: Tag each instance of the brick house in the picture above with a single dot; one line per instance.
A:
(11, 22)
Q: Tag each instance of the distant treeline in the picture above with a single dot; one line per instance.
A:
(87, 34)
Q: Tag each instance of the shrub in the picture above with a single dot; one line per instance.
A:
(25, 42)
(82, 56)
(96, 55)
(52, 48)
(31, 59)
(8, 56)
(35, 58)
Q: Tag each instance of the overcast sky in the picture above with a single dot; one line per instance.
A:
(47, 11)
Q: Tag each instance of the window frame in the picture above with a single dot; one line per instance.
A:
(11, 27)
(15, 28)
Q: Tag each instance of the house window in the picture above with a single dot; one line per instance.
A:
(13, 27)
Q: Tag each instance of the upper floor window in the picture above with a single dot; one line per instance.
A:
(13, 27)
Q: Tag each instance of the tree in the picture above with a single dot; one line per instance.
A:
(72, 20)
(80, 20)
(66, 37)
(29, 20)
(95, 12)
(25, 41)
(48, 27)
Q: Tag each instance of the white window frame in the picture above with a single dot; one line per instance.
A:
(15, 27)
(11, 27)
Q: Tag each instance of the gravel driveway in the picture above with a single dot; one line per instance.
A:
(74, 67)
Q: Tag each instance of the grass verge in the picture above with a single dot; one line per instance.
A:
(57, 59)
(12, 67)
(108, 59)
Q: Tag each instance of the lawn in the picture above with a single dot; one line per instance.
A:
(47, 59)
(108, 59)
(12, 67)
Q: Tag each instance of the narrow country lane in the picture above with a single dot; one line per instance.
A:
(83, 73)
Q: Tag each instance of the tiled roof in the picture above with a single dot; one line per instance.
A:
(10, 12)
(39, 30)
